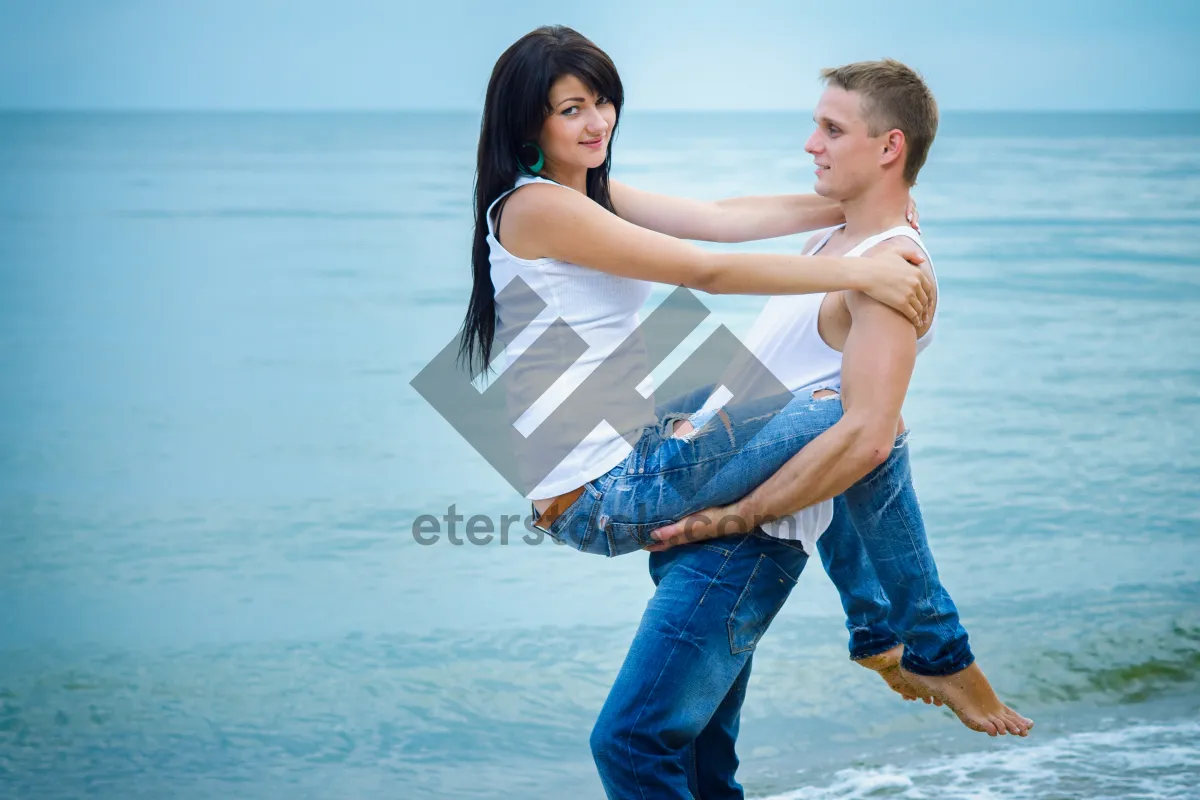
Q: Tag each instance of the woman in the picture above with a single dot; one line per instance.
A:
(584, 249)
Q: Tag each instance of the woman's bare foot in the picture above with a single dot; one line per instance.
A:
(971, 697)
(887, 664)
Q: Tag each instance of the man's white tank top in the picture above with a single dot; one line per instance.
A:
(603, 310)
(786, 339)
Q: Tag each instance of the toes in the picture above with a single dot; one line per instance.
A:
(984, 726)
(1017, 724)
(992, 728)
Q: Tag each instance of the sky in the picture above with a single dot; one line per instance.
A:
(437, 54)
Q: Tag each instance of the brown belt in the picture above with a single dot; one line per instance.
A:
(556, 509)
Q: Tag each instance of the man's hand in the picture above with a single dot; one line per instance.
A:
(710, 523)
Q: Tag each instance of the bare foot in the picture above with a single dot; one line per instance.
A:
(887, 664)
(971, 697)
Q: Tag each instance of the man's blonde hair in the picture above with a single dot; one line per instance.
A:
(893, 96)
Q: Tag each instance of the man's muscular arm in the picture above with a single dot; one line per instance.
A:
(877, 364)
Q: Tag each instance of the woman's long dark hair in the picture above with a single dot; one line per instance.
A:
(517, 104)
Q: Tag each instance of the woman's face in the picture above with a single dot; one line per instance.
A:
(576, 134)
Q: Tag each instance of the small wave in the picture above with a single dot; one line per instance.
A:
(1142, 761)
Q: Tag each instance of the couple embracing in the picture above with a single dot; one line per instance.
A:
(736, 482)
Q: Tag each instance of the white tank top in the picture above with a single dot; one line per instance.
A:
(603, 310)
(785, 336)
(786, 339)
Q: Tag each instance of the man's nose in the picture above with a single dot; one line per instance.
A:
(813, 145)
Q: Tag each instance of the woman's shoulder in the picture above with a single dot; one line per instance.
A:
(522, 212)
(532, 191)
(535, 202)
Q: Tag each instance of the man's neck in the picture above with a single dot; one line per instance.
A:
(878, 209)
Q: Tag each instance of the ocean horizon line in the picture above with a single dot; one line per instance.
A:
(31, 111)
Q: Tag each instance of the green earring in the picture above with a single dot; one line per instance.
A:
(536, 166)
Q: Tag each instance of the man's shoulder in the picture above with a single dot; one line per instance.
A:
(817, 236)
(903, 234)
(812, 241)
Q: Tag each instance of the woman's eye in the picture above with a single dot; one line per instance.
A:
(601, 99)
(567, 111)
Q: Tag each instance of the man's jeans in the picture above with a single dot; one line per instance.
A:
(671, 719)
(867, 607)
(878, 557)
(668, 727)
(665, 478)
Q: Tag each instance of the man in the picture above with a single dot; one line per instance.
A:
(670, 722)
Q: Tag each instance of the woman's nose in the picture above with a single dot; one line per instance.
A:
(596, 123)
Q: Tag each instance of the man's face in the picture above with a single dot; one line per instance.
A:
(846, 155)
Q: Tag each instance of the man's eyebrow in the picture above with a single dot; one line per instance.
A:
(571, 100)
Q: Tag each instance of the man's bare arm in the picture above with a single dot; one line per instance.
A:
(877, 365)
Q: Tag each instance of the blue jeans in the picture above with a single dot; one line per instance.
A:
(886, 569)
(878, 556)
(665, 478)
(867, 607)
(668, 727)
(670, 723)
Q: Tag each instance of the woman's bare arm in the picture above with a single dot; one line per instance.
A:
(547, 221)
(736, 219)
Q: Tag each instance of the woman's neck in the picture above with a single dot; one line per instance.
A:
(573, 178)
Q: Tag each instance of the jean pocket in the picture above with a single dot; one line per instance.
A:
(626, 537)
(791, 544)
(765, 593)
(576, 526)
